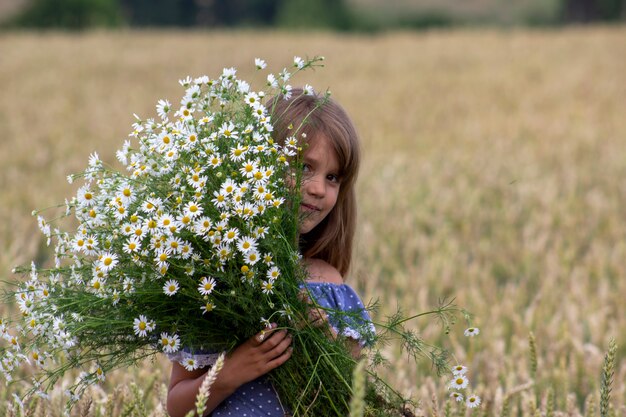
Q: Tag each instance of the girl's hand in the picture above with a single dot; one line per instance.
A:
(257, 356)
(316, 316)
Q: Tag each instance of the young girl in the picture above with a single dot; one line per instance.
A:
(331, 162)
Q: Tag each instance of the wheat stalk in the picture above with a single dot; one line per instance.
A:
(608, 370)
(357, 402)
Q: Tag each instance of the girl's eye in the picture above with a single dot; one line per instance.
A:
(306, 168)
(333, 178)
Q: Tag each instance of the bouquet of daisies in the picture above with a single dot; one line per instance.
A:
(194, 246)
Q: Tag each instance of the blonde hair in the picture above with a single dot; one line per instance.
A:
(315, 115)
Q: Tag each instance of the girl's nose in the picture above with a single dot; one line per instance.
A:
(315, 186)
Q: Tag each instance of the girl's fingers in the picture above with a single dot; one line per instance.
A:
(280, 348)
(276, 362)
(272, 341)
(264, 334)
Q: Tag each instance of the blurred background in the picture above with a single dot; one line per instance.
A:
(344, 15)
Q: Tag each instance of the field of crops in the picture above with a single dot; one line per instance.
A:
(494, 173)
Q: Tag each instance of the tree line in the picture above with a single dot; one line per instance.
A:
(330, 14)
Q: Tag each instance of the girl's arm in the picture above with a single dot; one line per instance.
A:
(255, 357)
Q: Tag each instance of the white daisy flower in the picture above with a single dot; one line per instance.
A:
(203, 225)
(285, 75)
(163, 108)
(99, 373)
(298, 62)
(260, 232)
(259, 63)
(183, 221)
(249, 168)
(94, 160)
(85, 197)
(308, 90)
(175, 244)
(472, 331)
(174, 344)
(142, 326)
(473, 401)
(97, 284)
(107, 261)
(186, 251)
(286, 91)
(204, 79)
(231, 235)
(205, 120)
(246, 243)
(267, 287)
(186, 82)
(168, 342)
(238, 153)
(190, 364)
(224, 252)
(193, 209)
(457, 396)
(171, 287)
(207, 284)
(128, 286)
(215, 161)
(251, 257)
(165, 221)
(208, 307)
(190, 140)
(251, 99)
(229, 73)
(162, 257)
(258, 111)
(273, 273)
(228, 131)
(459, 382)
(459, 370)
(229, 186)
(271, 81)
(151, 205)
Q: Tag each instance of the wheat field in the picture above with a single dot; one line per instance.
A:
(494, 172)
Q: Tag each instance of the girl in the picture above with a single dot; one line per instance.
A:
(331, 161)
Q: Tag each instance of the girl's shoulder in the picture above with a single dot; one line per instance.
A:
(321, 271)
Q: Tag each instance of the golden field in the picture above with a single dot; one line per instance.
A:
(494, 172)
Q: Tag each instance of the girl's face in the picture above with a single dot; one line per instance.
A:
(320, 183)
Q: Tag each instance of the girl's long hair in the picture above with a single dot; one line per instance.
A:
(315, 115)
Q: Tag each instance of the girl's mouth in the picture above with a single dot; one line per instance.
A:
(309, 207)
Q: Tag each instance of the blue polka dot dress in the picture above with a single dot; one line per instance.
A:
(258, 398)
